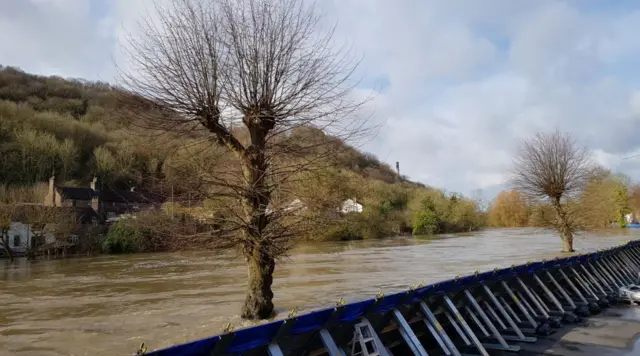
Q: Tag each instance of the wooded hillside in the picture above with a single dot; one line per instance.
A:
(79, 129)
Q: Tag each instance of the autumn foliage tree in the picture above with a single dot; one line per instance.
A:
(551, 167)
(604, 200)
(207, 68)
(509, 209)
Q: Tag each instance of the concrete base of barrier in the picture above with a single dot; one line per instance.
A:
(614, 332)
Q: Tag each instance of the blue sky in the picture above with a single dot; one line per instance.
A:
(460, 82)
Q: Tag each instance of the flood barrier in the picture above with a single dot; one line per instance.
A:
(480, 314)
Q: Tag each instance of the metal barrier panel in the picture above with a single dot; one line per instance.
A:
(494, 310)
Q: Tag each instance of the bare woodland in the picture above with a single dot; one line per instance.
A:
(243, 75)
(552, 167)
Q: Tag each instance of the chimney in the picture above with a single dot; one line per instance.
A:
(398, 167)
(95, 203)
(52, 182)
(50, 200)
(93, 183)
(95, 199)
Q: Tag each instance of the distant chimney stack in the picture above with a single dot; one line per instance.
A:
(95, 203)
(52, 182)
(50, 199)
(398, 167)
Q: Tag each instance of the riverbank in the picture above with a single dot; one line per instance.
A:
(107, 305)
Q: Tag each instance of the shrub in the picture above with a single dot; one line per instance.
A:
(126, 237)
(343, 231)
(426, 221)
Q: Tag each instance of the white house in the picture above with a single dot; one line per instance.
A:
(351, 206)
(629, 218)
(20, 236)
(295, 205)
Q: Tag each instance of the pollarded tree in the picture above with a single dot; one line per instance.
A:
(552, 166)
(45, 221)
(243, 75)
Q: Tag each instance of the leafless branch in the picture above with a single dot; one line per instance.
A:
(247, 75)
(553, 166)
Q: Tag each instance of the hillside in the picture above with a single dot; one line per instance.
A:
(80, 129)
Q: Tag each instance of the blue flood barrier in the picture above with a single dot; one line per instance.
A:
(496, 310)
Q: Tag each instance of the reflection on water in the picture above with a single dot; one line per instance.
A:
(108, 305)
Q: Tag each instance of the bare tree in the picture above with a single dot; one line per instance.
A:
(552, 166)
(12, 199)
(244, 75)
(7, 213)
(45, 221)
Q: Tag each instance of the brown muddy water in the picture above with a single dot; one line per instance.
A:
(108, 305)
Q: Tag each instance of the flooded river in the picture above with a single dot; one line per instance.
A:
(108, 305)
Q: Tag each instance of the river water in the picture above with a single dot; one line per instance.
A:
(108, 305)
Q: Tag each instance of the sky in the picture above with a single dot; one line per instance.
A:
(457, 83)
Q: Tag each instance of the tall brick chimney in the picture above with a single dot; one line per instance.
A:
(95, 199)
(93, 183)
(50, 199)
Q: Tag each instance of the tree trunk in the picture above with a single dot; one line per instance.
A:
(4, 243)
(9, 253)
(260, 260)
(259, 301)
(567, 243)
(563, 226)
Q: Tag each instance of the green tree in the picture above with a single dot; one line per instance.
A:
(621, 201)
(426, 221)
(126, 237)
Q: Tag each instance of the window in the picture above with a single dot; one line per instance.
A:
(74, 239)
(94, 221)
(16, 240)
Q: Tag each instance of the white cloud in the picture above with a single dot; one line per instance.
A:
(606, 160)
(465, 79)
(54, 37)
(634, 103)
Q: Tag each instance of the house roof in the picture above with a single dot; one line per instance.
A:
(122, 196)
(109, 196)
(76, 193)
(83, 215)
(127, 196)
